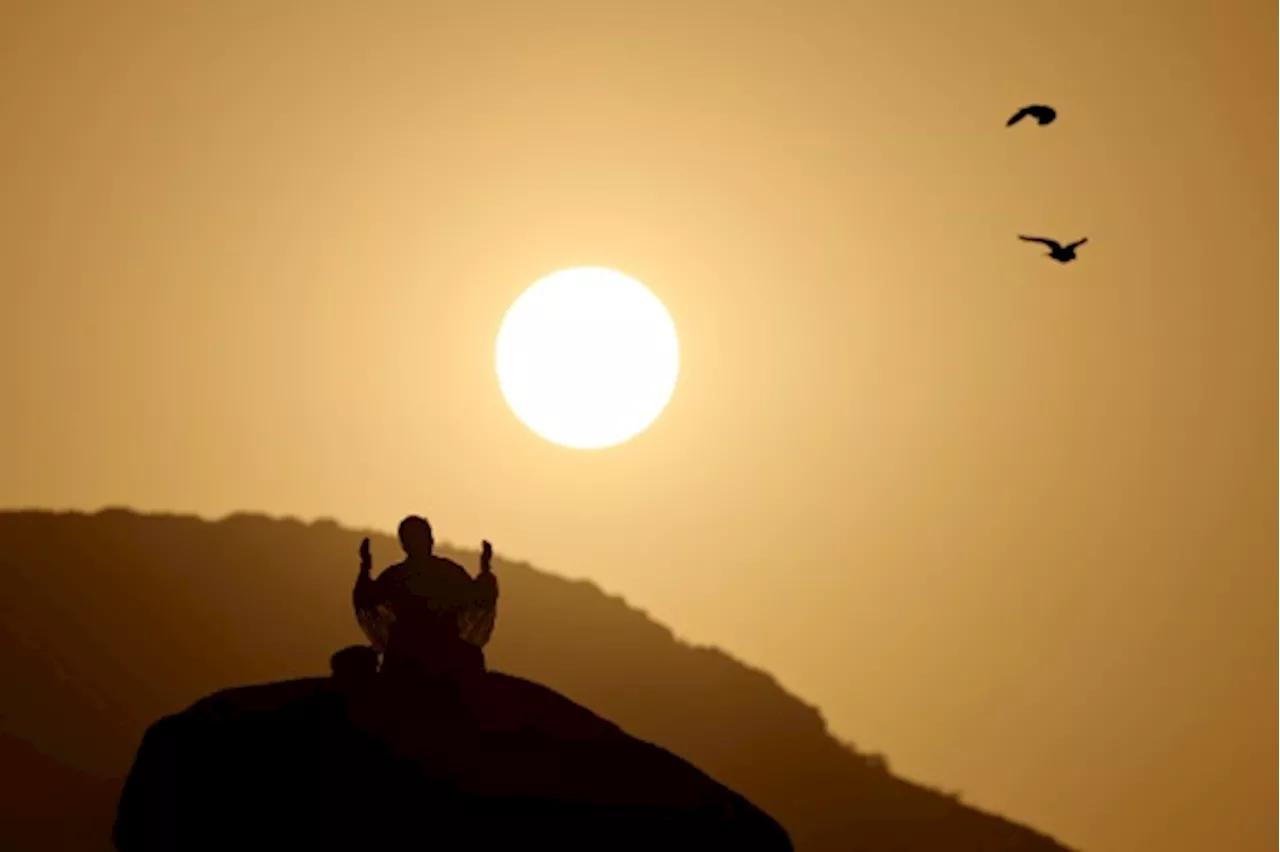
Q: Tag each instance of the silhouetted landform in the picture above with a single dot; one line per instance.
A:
(112, 620)
(369, 760)
(1057, 251)
(46, 803)
(1040, 112)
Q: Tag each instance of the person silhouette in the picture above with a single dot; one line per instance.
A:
(426, 605)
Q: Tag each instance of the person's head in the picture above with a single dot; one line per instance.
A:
(416, 537)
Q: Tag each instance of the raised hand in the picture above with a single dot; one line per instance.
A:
(486, 557)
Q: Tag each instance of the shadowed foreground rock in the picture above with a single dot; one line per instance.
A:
(366, 760)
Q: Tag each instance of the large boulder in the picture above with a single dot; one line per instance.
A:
(373, 760)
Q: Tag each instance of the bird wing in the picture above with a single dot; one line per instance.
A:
(1017, 116)
(1078, 243)
(1053, 244)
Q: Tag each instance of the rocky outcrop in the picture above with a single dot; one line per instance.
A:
(369, 760)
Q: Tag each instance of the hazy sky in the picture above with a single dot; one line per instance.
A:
(1007, 521)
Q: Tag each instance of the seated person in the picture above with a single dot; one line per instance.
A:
(426, 600)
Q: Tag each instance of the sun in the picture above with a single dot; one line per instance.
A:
(587, 358)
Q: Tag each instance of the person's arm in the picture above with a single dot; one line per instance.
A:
(476, 623)
(486, 585)
(363, 593)
(369, 597)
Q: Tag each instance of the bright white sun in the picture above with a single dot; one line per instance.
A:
(587, 358)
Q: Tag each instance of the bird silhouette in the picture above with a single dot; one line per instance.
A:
(1041, 113)
(1057, 250)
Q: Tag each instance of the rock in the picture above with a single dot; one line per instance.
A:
(382, 760)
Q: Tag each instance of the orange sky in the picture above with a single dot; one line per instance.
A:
(1004, 520)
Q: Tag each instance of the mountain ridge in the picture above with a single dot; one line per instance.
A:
(267, 598)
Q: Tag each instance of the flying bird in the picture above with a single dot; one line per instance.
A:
(1041, 113)
(1057, 250)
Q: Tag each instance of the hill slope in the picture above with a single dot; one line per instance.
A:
(111, 620)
